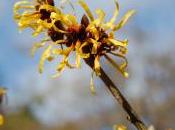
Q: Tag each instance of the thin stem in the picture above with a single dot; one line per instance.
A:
(132, 116)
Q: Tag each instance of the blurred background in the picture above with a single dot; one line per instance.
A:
(39, 102)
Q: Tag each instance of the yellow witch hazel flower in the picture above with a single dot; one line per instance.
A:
(90, 39)
(2, 94)
(119, 127)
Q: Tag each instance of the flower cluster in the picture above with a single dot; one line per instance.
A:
(89, 39)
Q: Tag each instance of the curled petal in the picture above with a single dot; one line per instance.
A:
(72, 18)
(95, 45)
(60, 69)
(86, 8)
(69, 65)
(68, 50)
(124, 20)
(92, 87)
(78, 57)
(64, 52)
(78, 45)
(38, 45)
(28, 20)
(44, 23)
(83, 55)
(60, 41)
(123, 50)
(57, 51)
(111, 35)
(91, 28)
(125, 63)
(21, 5)
(38, 31)
(97, 65)
(18, 4)
(124, 73)
(46, 54)
(118, 43)
(115, 13)
(101, 16)
(56, 28)
(62, 66)
(62, 17)
(111, 22)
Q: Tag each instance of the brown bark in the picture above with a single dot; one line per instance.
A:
(132, 115)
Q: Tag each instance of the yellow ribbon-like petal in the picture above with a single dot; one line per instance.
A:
(38, 31)
(62, 66)
(97, 65)
(57, 29)
(124, 20)
(78, 57)
(111, 22)
(92, 87)
(28, 20)
(65, 52)
(82, 54)
(118, 43)
(125, 63)
(38, 45)
(101, 16)
(124, 73)
(44, 23)
(63, 18)
(86, 8)
(60, 41)
(60, 69)
(21, 4)
(92, 28)
(46, 54)
(95, 45)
